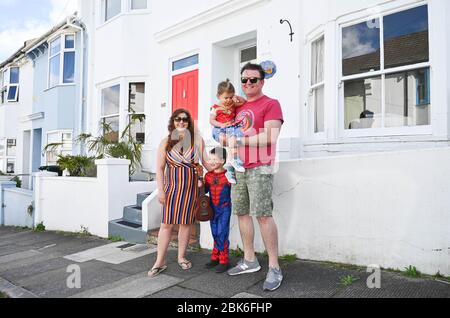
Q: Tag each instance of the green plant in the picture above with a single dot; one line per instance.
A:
(237, 252)
(2, 174)
(78, 166)
(412, 272)
(288, 258)
(85, 231)
(18, 182)
(263, 254)
(40, 227)
(108, 145)
(348, 280)
(2, 295)
(115, 239)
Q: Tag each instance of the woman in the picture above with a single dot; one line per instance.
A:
(177, 181)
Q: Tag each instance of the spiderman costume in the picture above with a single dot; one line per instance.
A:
(220, 193)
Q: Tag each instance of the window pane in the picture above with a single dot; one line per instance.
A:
(408, 99)
(361, 48)
(54, 70)
(69, 67)
(137, 98)
(317, 61)
(189, 61)
(319, 108)
(12, 93)
(14, 75)
(55, 47)
(11, 147)
(112, 8)
(248, 55)
(406, 37)
(2, 149)
(137, 128)
(111, 100)
(70, 42)
(138, 4)
(113, 133)
(363, 103)
(10, 163)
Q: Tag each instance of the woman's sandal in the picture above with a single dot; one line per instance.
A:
(187, 265)
(156, 271)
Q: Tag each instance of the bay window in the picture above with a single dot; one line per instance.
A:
(61, 60)
(317, 85)
(110, 116)
(61, 144)
(386, 71)
(136, 112)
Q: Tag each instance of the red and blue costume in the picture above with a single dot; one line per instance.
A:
(220, 193)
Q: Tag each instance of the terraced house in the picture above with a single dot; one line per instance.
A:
(362, 173)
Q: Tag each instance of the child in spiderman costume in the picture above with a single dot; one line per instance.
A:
(219, 188)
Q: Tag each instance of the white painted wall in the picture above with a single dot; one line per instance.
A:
(381, 209)
(67, 204)
(16, 203)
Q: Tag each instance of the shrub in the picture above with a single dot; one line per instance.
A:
(78, 166)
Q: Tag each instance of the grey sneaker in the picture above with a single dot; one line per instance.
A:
(273, 280)
(245, 267)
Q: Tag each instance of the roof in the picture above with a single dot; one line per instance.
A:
(30, 44)
(397, 52)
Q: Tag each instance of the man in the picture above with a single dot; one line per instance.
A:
(261, 118)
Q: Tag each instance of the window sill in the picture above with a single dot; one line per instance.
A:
(379, 139)
(59, 85)
(136, 12)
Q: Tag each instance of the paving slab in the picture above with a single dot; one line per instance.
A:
(19, 256)
(123, 256)
(396, 286)
(53, 284)
(94, 253)
(137, 286)
(14, 291)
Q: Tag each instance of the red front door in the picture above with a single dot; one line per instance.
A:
(185, 92)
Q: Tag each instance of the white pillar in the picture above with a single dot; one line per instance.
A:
(112, 174)
(37, 190)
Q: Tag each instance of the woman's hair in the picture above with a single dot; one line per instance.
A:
(225, 87)
(173, 133)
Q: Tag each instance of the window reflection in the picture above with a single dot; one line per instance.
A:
(363, 103)
(361, 48)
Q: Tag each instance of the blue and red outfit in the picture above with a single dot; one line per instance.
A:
(220, 193)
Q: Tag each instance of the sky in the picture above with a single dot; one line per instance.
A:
(22, 20)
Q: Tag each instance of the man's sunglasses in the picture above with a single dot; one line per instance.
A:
(253, 80)
(183, 119)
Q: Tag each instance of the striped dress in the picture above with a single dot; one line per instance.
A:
(180, 187)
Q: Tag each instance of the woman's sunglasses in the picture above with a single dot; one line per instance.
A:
(253, 80)
(183, 119)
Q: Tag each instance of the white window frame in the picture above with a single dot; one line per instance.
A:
(62, 51)
(241, 47)
(6, 85)
(390, 131)
(62, 149)
(121, 103)
(130, 9)
(129, 114)
(312, 89)
(102, 10)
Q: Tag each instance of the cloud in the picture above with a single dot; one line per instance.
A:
(353, 44)
(13, 38)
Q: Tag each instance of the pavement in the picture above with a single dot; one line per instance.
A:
(61, 265)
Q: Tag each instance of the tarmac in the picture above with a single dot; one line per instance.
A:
(62, 265)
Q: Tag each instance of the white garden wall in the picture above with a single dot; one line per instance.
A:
(16, 202)
(73, 204)
(390, 209)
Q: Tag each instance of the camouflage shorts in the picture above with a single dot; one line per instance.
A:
(252, 194)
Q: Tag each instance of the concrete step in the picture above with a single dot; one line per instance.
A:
(133, 214)
(141, 197)
(128, 231)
